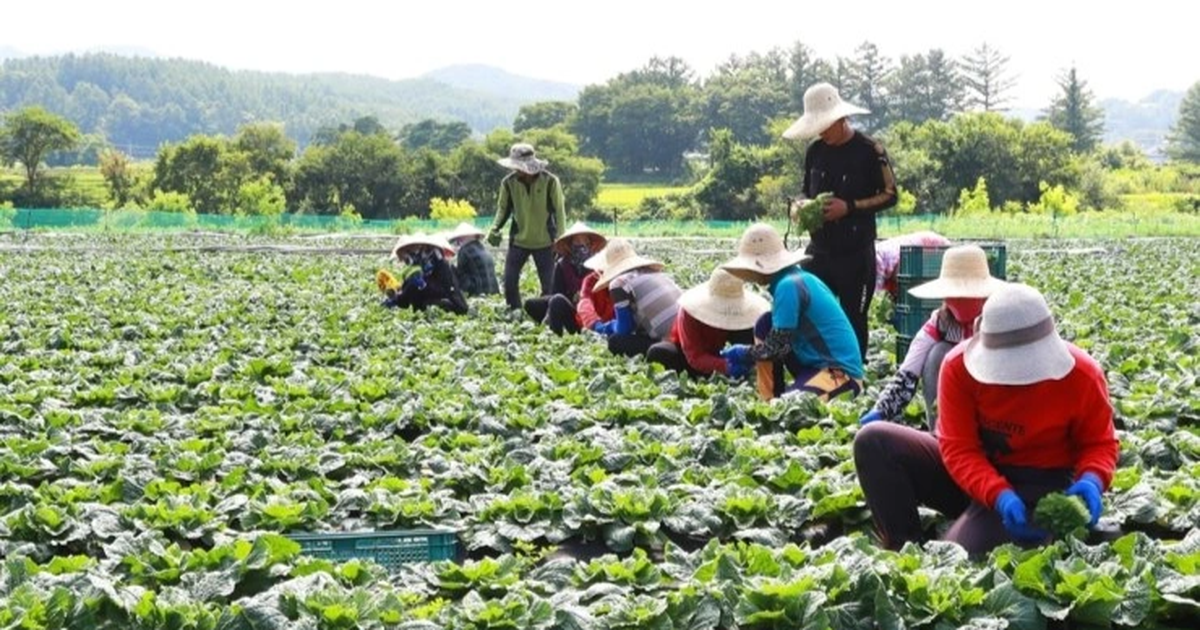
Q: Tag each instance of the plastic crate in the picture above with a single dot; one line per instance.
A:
(902, 344)
(389, 549)
(925, 263)
(910, 319)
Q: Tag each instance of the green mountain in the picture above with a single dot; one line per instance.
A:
(1146, 122)
(498, 82)
(140, 102)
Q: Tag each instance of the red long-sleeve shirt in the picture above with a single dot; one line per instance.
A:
(593, 306)
(1066, 423)
(701, 344)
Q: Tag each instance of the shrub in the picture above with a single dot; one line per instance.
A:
(450, 209)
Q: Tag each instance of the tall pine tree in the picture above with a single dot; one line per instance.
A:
(986, 80)
(1073, 111)
(1184, 141)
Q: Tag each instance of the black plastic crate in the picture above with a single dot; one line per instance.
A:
(925, 262)
(389, 549)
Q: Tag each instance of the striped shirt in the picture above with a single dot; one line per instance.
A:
(652, 296)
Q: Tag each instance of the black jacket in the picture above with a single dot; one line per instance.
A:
(859, 173)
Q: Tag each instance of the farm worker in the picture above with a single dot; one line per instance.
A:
(533, 198)
(806, 331)
(644, 300)
(1023, 413)
(474, 267)
(855, 169)
(571, 250)
(887, 258)
(718, 311)
(964, 283)
(430, 281)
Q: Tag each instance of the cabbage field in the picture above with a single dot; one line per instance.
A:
(173, 407)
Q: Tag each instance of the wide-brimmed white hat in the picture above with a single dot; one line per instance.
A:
(760, 253)
(521, 157)
(823, 106)
(409, 241)
(723, 302)
(596, 240)
(964, 274)
(1015, 342)
(464, 230)
(619, 258)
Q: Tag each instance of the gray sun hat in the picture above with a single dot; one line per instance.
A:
(521, 157)
(1015, 341)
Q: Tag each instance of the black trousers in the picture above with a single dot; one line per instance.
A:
(543, 259)
(851, 277)
(556, 311)
(630, 345)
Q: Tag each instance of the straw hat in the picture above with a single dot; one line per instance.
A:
(521, 157)
(823, 106)
(619, 258)
(1015, 341)
(465, 230)
(596, 240)
(760, 254)
(412, 240)
(964, 275)
(723, 302)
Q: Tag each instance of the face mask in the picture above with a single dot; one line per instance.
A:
(425, 257)
(965, 310)
(580, 252)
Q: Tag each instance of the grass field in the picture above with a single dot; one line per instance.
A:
(629, 196)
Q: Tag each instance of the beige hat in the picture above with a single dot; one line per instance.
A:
(465, 230)
(723, 302)
(823, 106)
(412, 240)
(596, 240)
(521, 157)
(964, 275)
(619, 258)
(760, 254)
(1015, 342)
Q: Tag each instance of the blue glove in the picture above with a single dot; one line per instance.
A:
(1088, 488)
(1012, 513)
(738, 354)
(606, 328)
(733, 369)
(869, 417)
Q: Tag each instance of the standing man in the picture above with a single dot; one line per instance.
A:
(855, 169)
(533, 198)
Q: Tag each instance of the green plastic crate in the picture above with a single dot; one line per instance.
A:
(389, 549)
(925, 263)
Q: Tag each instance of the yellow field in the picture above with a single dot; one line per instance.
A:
(629, 196)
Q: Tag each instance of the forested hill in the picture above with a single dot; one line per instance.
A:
(140, 102)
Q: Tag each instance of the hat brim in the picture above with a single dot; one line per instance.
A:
(754, 269)
(723, 313)
(1047, 359)
(446, 248)
(629, 264)
(810, 126)
(943, 288)
(532, 166)
(472, 232)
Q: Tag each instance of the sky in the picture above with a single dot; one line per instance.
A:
(1120, 53)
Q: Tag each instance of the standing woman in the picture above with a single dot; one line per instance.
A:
(532, 198)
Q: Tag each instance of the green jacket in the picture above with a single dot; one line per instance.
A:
(537, 210)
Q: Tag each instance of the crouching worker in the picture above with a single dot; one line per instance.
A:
(644, 300)
(572, 251)
(1023, 414)
(428, 281)
(717, 312)
(475, 269)
(807, 332)
(964, 283)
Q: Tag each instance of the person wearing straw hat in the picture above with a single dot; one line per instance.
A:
(571, 250)
(964, 283)
(474, 267)
(710, 315)
(1023, 414)
(532, 198)
(855, 170)
(806, 331)
(645, 300)
(431, 281)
